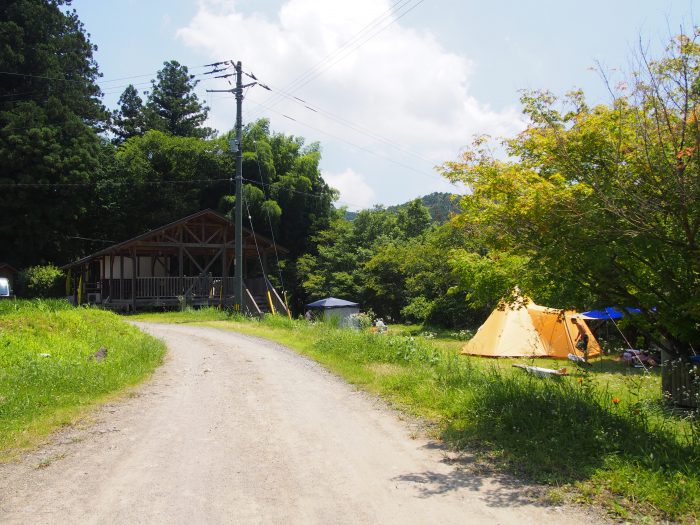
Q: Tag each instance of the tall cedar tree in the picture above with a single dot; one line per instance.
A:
(173, 106)
(50, 116)
(129, 120)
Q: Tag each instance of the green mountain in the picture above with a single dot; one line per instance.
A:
(440, 205)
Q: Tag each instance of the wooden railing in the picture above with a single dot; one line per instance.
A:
(211, 289)
(167, 287)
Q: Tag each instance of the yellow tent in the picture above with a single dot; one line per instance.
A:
(524, 329)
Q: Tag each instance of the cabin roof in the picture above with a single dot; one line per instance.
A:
(262, 242)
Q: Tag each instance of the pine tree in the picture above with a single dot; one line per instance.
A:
(129, 120)
(50, 117)
(173, 106)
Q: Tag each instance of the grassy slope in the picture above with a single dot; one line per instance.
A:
(605, 432)
(47, 376)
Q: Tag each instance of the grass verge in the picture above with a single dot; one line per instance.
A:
(47, 374)
(607, 433)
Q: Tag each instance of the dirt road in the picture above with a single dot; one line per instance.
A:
(235, 430)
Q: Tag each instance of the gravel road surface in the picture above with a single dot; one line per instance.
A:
(233, 429)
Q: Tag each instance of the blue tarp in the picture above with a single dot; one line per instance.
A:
(609, 313)
(331, 302)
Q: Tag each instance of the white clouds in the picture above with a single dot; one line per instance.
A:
(401, 84)
(355, 193)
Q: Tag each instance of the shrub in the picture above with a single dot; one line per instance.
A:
(417, 310)
(41, 281)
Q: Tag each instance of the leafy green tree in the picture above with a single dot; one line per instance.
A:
(413, 219)
(604, 202)
(336, 269)
(158, 178)
(129, 120)
(375, 226)
(50, 116)
(173, 106)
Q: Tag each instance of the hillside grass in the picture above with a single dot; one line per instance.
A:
(605, 435)
(48, 377)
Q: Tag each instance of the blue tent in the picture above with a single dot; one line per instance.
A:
(331, 302)
(609, 313)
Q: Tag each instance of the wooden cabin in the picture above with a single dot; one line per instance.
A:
(187, 262)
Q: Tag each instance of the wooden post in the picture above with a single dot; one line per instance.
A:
(180, 263)
(121, 277)
(111, 276)
(102, 277)
(223, 267)
(133, 279)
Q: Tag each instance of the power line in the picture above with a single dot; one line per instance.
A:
(56, 185)
(362, 148)
(351, 45)
(105, 90)
(64, 79)
(351, 125)
(357, 46)
(319, 195)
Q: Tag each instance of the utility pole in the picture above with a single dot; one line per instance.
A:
(238, 269)
(237, 149)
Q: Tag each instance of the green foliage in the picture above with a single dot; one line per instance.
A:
(417, 310)
(335, 270)
(157, 178)
(413, 219)
(392, 263)
(41, 281)
(46, 370)
(50, 114)
(603, 203)
(129, 120)
(441, 206)
(173, 106)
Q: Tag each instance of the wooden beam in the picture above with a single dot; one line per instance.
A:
(156, 244)
(192, 259)
(134, 270)
(194, 235)
(215, 234)
(211, 261)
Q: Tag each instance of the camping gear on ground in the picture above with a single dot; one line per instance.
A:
(333, 309)
(578, 361)
(638, 358)
(381, 327)
(525, 329)
(542, 372)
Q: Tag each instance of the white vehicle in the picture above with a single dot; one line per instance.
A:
(5, 290)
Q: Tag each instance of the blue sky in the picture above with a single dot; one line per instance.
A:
(411, 90)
